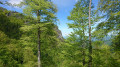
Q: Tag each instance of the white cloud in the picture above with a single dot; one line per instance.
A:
(15, 1)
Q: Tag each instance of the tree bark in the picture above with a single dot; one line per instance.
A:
(90, 46)
(39, 47)
(83, 49)
(39, 62)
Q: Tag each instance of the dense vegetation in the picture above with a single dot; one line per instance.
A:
(32, 39)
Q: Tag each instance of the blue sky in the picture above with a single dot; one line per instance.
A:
(64, 8)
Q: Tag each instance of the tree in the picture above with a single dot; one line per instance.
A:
(19, 49)
(79, 16)
(44, 11)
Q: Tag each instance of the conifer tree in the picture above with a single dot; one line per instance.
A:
(44, 11)
(79, 16)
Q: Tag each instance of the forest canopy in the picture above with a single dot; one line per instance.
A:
(32, 38)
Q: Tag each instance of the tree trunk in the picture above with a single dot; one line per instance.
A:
(90, 46)
(38, 47)
(39, 63)
(83, 49)
(83, 57)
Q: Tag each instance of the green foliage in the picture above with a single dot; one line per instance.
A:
(19, 44)
(49, 43)
(111, 14)
(43, 31)
(10, 53)
(104, 55)
(9, 32)
(19, 40)
(116, 42)
(10, 25)
(78, 39)
(46, 10)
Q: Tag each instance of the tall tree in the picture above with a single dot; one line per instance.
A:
(44, 11)
(79, 16)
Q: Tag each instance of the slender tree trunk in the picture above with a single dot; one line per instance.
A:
(83, 49)
(83, 53)
(39, 63)
(90, 46)
(39, 47)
